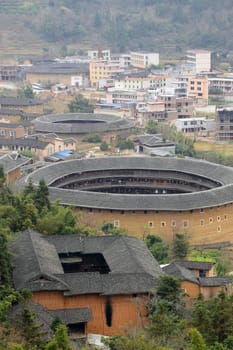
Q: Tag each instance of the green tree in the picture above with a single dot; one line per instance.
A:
(109, 229)
(30, 331)
(196, 340)
(41, 196)
(6, 267)
(57, 220)
(104, 146)
(158, 248)
(26, 92)
(60, 340)
(152, 127)
(80, 105)
(180, 246)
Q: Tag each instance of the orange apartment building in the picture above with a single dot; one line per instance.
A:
(102, 70)
(108, 276)
(198, 89)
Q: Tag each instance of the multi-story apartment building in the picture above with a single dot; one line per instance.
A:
(182, 106)
(157, 83)
(221, 85)
(191, 125)
(11, 73)
(102, 70)
(144, 59)
(125, 97)
(123, 59)
(198, 89)
(200, 59)
(224, 120)
(99, 54)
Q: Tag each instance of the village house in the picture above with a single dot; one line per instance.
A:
(99, 284)
(15, 130)
(154, 145)
(26, 105)
(70, 74)
(198, 277)
(38, 149)
(12, 164)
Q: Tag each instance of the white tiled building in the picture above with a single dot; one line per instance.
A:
(201, 59)
(144, 59)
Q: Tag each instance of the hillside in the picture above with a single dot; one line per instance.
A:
(163, 25)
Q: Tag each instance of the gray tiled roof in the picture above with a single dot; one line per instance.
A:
(43, 317)
(14, 101)
(153, 141)
(37, 266)
(57, 68)
(215, 281)
(203, 199)
(180, 272)
(61, 123)
(24, 142)
(195, 265)
(72, 316)
(12, 161)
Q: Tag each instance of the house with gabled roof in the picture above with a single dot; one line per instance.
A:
(191, 273)
(12, 164)
(104, 278)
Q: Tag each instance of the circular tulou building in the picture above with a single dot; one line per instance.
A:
(147, 195)
(80, 123)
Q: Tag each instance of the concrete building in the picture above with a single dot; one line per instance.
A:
(224, 120)
(102, 70)
(144, 59)
(99, 54)
(198, 89)
(191, 125)
(221, 85)
(157, 83)
(200, 59)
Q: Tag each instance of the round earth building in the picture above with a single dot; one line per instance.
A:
(147, 195)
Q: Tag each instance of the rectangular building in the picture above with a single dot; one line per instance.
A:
(200, 59)
(144, 59)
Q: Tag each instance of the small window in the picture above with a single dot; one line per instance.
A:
(173, 223)
(225, 217)
(116, 223)
(218, 218)
(122, 212)
(201, 210)
(150, 224)
(90, 210)
(185, 224)
(202, 222)
(211, 220)
(219, 229)
(163, 223)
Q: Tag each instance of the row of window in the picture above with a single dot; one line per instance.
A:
(185, 223)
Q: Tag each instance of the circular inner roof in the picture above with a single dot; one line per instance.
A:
(138, 183)
(80, 123)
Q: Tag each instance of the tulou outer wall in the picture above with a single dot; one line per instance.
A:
(210, 225)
